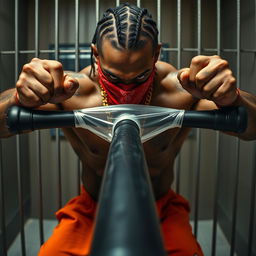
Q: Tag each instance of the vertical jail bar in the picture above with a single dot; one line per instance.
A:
(117, 2)
(217, 162)
(252, 204)
(38, 136)
(58, 130)
(97, 10)
(138, 3)
(2, 206)
(234, 212)
(178, 159)
(198, 134)
(159, 18)
(20, 186)
(77, 70)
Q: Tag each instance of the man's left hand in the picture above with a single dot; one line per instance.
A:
(209, 77)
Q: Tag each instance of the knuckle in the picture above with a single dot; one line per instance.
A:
(19, 85)
(230, 73)
(196, 60)
(206, 90)
(45, 93)
(48, 81)
(232, 80)
(35, 60)
(200, 77)
(22, 78)
(223, 63)
(56, 65)
(216, 56)
(27, 67)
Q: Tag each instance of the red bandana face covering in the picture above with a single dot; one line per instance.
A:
(120, 93)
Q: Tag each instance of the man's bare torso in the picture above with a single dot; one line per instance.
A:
(160, 151)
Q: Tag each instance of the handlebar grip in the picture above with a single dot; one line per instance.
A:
(233, 119)
(24, 119)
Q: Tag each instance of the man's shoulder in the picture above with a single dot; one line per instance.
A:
(167, 75)
(169, 91)
(164, 68)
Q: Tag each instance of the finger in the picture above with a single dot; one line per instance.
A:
(212, 85)
(27, 97)
(225, 95)
(35, 69)
(197, 63)
(223, 89)
(40, 90)
(214, 67)
(56, 71)
(70, 84)
(183, 76)
(30, 81)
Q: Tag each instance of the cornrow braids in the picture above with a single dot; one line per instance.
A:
(124, 25)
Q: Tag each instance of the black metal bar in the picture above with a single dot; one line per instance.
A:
(163, 49)
(178, 158)
(237, 159)
(18, 146)
(159, 12)
(225, 119)
(38, 137)
(77, 62)
(57, 132)
(217, 162)
(126, 222)
(198, 132)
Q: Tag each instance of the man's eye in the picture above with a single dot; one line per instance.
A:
(141, 77)
(113, 77)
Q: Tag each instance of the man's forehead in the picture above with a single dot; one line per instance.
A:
(110, 44)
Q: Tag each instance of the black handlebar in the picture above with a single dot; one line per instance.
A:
(24, 119)
(226, 119)
(233, 119)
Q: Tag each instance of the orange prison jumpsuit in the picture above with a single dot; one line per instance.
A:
(73, 234)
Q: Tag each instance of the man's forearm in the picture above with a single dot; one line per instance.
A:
(7, 99)
(249, 101)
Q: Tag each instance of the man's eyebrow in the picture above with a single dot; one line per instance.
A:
(110, 73)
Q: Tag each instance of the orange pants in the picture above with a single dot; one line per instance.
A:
(73, 234)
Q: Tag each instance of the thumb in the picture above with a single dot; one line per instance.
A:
(183, 76)
(70, 84)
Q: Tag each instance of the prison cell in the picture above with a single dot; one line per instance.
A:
(39, 172)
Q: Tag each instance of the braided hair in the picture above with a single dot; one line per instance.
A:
(124, 25)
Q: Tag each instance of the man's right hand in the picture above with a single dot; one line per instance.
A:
(44, 81)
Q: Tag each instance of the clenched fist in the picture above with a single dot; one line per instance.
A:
(209, 77)
(44, 81)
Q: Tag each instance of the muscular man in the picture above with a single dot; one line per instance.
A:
(125, 49)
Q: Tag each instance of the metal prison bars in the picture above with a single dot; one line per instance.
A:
(179, 50)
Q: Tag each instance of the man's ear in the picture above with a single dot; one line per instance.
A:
(95, 52)
(157, 52)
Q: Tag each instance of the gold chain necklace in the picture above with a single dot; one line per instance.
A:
(104, 96)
